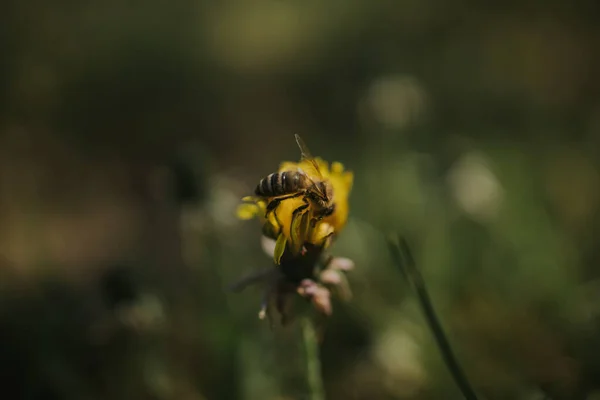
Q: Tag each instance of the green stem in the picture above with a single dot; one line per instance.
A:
(313, 361)
(407, 265)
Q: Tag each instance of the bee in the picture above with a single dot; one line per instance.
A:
(315, 190)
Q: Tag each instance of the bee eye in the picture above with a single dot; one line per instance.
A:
(331, 209)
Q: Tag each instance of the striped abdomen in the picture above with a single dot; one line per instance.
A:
(281, 183)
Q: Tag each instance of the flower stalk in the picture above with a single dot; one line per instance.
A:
(296, 237)
(313, 360)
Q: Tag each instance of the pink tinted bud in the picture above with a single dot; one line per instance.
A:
(331, 277)
(341, 264)
(322, 301)
(307, 288)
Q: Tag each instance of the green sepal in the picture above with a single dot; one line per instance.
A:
(279, 248)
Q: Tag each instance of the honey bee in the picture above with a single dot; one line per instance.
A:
(315, 190)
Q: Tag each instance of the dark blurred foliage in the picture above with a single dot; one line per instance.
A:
(130, 130)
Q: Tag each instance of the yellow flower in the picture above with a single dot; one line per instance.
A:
(297, 243)
(292, 237)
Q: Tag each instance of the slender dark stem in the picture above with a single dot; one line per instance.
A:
(251, 279)
(407, 266)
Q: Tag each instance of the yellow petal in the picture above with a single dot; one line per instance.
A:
(322, 234)
(337, 167)
(349, 179)
(299, 231)
(284, 214)
(288, 166)
(271, 231)
(323, 166)
(247, 211)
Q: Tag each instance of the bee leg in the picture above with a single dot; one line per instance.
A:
(273, 204)
(303, 206)
(279, 224)
(272, 208)
(298, 239)
(299, 210)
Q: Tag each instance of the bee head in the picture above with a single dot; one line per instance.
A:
(325, 191)
(329, 210)
(323, 199)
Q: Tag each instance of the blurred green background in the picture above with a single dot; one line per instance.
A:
(130, 130)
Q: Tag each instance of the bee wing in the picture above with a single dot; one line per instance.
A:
(313, 167)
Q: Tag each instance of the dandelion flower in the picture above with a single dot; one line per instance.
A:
(298, 247)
